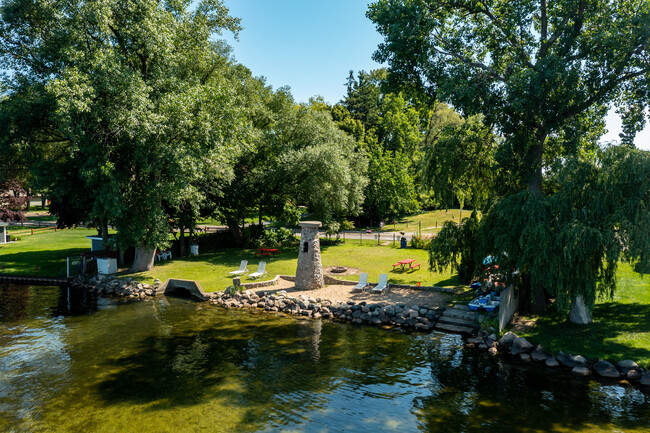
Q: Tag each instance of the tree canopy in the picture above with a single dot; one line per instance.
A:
(543, 75)
(133, 96)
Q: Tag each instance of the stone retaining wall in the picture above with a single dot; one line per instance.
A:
(128, 289)
(510, 346)
(415, 317)
(259, 284)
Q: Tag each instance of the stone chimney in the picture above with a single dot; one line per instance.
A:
(309, 274)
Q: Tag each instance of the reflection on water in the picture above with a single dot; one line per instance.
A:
(72, 362)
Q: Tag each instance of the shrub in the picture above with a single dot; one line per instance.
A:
(421, 242)
(280, 237)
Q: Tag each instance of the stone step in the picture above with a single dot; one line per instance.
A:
(460, 307)
(460, 314)
(457, 321)
(454, 328)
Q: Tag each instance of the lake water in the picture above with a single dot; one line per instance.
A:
(72, 362)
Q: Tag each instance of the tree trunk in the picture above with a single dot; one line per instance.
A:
(43, 200)
(260, 215)
(103, 230)
(143, 260)
(235, 230)
(536, 152)
(529, 300)
(181, 241)
(579, 314)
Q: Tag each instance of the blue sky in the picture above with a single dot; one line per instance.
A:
(311, 45)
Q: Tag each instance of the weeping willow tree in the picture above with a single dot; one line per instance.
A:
(543, 75)
(570, 243)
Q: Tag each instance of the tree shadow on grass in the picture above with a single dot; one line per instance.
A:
(225, 260)
(51, 263)
(604, 338)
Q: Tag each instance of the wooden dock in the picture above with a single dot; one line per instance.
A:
(33, 280)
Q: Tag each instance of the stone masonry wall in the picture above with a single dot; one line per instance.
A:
(309, 272)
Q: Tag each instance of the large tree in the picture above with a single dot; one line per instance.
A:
(544, 74)
(135, 94)
(298, 157)
(536, 70)
(391, 129)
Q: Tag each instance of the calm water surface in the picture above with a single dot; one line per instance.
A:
(72, 362)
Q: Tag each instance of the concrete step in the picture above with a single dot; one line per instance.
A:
(454, 328)
(460, 314)
(457, 321)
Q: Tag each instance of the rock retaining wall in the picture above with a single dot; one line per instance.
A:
(415, 317)
(259, 284)
(104, 285)
(513, 347)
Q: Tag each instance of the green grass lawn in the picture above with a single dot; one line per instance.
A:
(621, 327)
(211, 268)
(430, 222)
(48, 250)
(42, 218)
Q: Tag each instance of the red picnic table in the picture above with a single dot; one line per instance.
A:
(403, 263)
(267, 252)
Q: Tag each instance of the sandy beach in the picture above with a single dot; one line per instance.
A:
(344, 293)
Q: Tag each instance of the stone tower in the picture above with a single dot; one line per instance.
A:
(309, 274)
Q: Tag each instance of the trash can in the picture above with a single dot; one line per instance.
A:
(194, 250)
(403, 242)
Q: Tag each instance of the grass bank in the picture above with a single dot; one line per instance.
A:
(211, 268)
(429, 222)
(46, 250)
(621, 327)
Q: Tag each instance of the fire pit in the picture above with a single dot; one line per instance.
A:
(338, 269)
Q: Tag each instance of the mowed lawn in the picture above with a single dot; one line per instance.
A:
(621, 327)
(46, 250)
(211, 268)
(430, 222)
